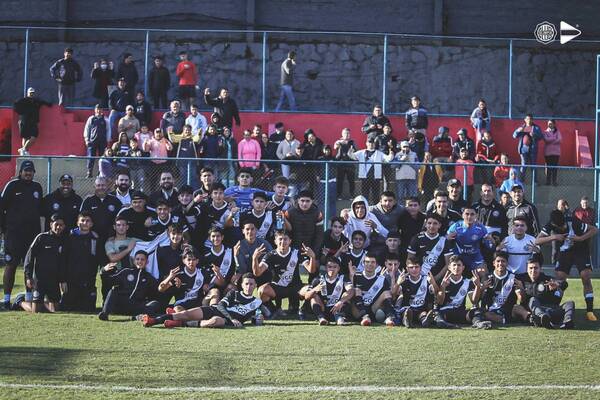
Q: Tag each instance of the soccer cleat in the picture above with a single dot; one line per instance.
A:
(443, 324)
(482, 325)
(389, 322)
(102, 316)
(567, 325)
(546, 321)
(148, 321)
(365, 321)
(323, 321)
(301, 315)
(279, 313)
(169, 310)
(341, 321)
(590, 316)
(427, 320)
(6, 305)
(171, 323)
(407, 318)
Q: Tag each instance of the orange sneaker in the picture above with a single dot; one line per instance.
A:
(171, 323)
(148, 321)
(366, 321)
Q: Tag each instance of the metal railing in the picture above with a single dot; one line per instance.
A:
(337, 71)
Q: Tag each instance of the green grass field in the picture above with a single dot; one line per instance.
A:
(118, 359)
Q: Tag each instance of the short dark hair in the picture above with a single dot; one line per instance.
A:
(391, 257)
(388, 193)
(359, 233)
(217, 186)
(248, 275)
(175, 228)
(411, 199)
(243, 171)
(162, 202)
(282, 180)
(333, 259)
(455, 258)
(520, 218)
(207, 169)
(261, 195)
(341, 220)
(55, 217)
(412, 260)
(215, 229)
(501, 254)
(144, 252)
(435, 216)
(84, 213)
(441, 193)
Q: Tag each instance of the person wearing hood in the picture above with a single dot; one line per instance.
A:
(128, 71)
(360, 218)
(370, 168)
(513, 179)
(63, 201)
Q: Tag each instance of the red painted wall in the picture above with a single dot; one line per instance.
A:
(61, 133)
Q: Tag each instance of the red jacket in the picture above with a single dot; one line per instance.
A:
(487, 151)
(187, 76)
(441, 147)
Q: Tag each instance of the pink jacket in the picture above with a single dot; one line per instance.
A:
(552, 143)
(249, 149)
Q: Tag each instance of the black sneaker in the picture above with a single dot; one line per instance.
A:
(443, 324)
(546, 321)
(567, 325)
(16, 305)
(102, 316)
(482, 325)
(427, 320)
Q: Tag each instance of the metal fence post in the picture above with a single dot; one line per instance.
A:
(596, 161)
(146, 63)
(49, 177)
(383, 96)
(25, 73)
(533, 176)
(510, 61)
(264, 72)
(189, 173)
(326, 205)
(465, 183)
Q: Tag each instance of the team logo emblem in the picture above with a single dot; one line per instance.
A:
(540, 287)
(7, 257)
(36, 195)
(55, 206)
(545, 32)
(496, 213)
(111, 208)
(130, 277)
(474, 237)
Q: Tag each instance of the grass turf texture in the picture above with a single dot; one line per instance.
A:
(72, 349)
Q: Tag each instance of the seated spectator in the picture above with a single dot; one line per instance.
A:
(278, 135)
(119, 99)
(374, 123)
(441, 146)
(429, 177)
(143, 109)
(216, 120)
(487, 153)
(136, 166)
(406, 172)
(416, 117)
(481, 119)
(249, 152)
(268, 151)
(107, 165)
(256, 132)
(142, 136)
(172, 122)
(120, 149)
(463, 141)
(584, 212)
(552, 140)
(417, 141)
(501, 172)
(197, 122)
(287, 148)
(513, 179)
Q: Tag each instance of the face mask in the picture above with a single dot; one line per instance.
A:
(103, 66)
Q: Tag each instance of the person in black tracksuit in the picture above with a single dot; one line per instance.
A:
(63, 201)
(159, 83)
(81, 266)
(224, 106)
(132, 289)
(20, 211)
(28, 109)
(43, 267)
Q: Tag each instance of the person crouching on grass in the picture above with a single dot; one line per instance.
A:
(233, 310)
(187, 285)
(329, 294)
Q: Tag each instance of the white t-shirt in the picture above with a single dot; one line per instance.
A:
(518, 252)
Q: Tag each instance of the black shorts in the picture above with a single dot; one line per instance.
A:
(210, 311)
(16, 245)
(505, 312)
(28, 130)
(344, 312)
(455, 315)
(190, 303)
(568, 259)
(282, 292)
(187, 91)
(48, 289)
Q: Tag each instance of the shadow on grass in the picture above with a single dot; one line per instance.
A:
(35, 361)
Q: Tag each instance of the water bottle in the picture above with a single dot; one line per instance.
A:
(258, 317)
(323, 284)
(236, 218)
(279, 222)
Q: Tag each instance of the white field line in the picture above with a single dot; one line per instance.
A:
(301, 389)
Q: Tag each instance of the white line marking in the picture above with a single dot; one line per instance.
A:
(301, 389)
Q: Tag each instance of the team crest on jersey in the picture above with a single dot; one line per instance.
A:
(7, 257)
(130, 277)
(496, 213)
(55, 206)
(36, 195)
(474, 237)
(111, 208)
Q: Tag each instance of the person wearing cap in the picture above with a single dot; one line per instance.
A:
(374, 123)
(522, 207)
(370, 168)
(96, 136)
(128, 70)
(139, 216)
(288, 66)
(66, 72)
(64, 201)
(159, 83)
(20, 212)
(103, 74)
(387, 144)
(28, 109)
(225, 106)
(406, 171)
(454, 193)
(463, 142)
(129, 123)
(118, 100)
(133, 289)
(529, 134)
(416, 116)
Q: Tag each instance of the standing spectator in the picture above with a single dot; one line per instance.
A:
(430, 177)
(128, 70)
(107, 165)
(313, 149)
(481, 119)
(287, 82)
(278, 135)
(342, 148)
(487, 153)
(441, 150)
(529, 134)
(464, 141)
(197, 122)
(224, 106)
(121, 149)
(63, 201)
(229, 152)
(20, 212)
(369, 169)
(406, 172)
(584, 212)
(552, 140)
(387, 144)
(159, 83)
(463, 170)
(129, 123)
(375, 122)
(96, 135)
(188, 78)
(103, 74)
(416, 116)
(66, 71)
(136, 166)
(143, 109)
(212, 146)
(28, 109)
(268, 151)
(521, 208)
(187, 149)
(159, 148)
(172, 122)
(249, 152)
(119, 100)
(502, 171)
(287, 148)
